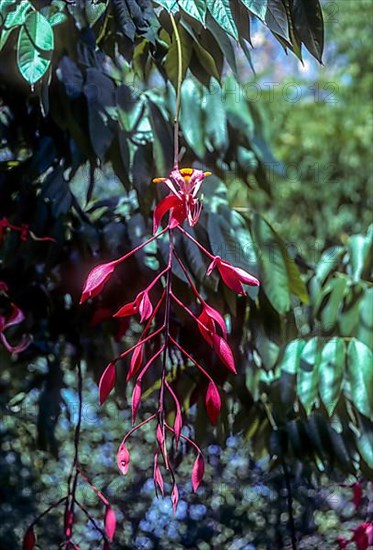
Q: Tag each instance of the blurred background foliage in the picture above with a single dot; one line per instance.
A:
(290, 147)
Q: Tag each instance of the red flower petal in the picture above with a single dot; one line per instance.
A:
(110, 523)
(123, 458)
(231, 278)
(197, 472)
(96, 280)
(107, 382)
(16, 317)
(224, 352)
(29, 540)
(136, 398)
(162, 208)
(213, 402)
(217, 317)
(178, 215)
(127, 310)
(24, 344)
(207, 332)
(145, 307)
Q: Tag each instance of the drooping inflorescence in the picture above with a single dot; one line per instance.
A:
(183, 204)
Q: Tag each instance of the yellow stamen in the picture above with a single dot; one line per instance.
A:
(208, 174)
(159, 180)
(186, 171)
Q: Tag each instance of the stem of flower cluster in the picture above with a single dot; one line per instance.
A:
(166, 325)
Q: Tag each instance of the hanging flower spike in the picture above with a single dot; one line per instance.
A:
(97, 279)
(233, 277)
(184, 185)
(141, 305)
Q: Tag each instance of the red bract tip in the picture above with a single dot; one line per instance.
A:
(157, 476)
(110, 523)
(123, 459)
(96, 280)
(213, 402)
(29, 540)
(198, 472)
(175, 497)
(224, 352)
(136, 362)
(107, 382)
(233, 277)
(136, 397)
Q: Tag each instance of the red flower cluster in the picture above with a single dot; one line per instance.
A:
(182, 205)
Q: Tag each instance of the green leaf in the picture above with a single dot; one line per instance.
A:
(221, 12)
(329, 260)
(191, 116)
(365, 330)
(94, 11)
(273, 273)
(170, 5)
(35, 47)
(349, 315)
(257, 7)
(331, 302)
(358, 247)
(276, 19)
(331, 373)
(224, 42)
(291, 358)
(360, 376)
(14, 19)
(308, 374)
(296, 283)
(238, 112)
(365, 441)
(309, 25)
(216, 121)
(171, 62)
(206, 61)
(267, 348)
(194, 8)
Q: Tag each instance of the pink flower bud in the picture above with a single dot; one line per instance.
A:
(123, 458)
(29, 540)
(213, 402)
(110, 523)
(136, 398)
(96, 280)
(224, 352)
(175, 497)
(107, 382)
(198, 472)
(233, 277)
